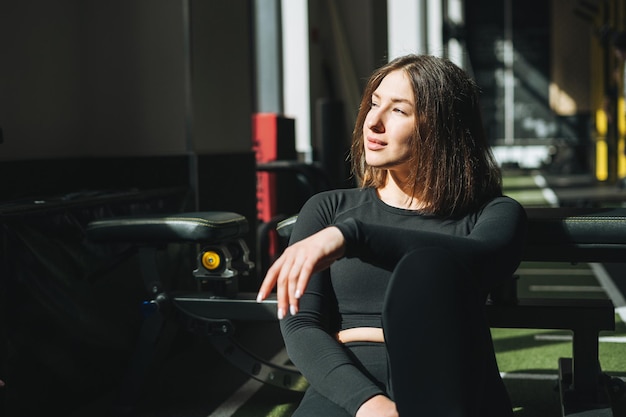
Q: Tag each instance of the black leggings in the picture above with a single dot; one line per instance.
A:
(438, 357)
(372, 357)
(438, 341)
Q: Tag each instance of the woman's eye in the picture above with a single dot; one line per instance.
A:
(373, 104)
(397, 110)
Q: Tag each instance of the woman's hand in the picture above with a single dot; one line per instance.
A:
(293, 269)
(378, 406)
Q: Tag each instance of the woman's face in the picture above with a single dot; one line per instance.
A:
(390, 123)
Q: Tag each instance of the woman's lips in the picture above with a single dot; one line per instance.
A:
(375, 144)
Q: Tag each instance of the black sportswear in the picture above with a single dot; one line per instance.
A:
(486, 245)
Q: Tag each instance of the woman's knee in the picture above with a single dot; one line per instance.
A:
(430, 271)
(431, 283)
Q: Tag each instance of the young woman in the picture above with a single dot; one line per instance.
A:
(382, 288)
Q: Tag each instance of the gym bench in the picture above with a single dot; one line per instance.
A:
(554, 235)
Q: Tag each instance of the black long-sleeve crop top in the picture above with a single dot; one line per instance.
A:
(350, 293)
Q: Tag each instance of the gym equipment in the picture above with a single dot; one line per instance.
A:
(222, 260)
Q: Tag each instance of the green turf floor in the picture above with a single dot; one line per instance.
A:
(528, 358)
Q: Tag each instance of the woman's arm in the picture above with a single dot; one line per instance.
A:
(310, 335)
(291, 272)
(313, 348)
(493, 248)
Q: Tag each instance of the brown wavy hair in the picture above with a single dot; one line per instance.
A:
(453, 170)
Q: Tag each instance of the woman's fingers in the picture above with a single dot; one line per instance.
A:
(269, 282)
(292, 271)
(284, 275)
(299, 285)
(294, 275)
(289, 275)
(282, 285)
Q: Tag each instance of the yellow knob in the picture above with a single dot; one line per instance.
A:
(211, 260)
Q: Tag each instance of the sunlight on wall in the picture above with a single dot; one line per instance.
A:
(561, 102)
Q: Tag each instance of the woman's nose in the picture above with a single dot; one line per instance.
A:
(374, 123)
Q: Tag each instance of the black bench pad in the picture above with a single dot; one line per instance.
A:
(201, 227)
(574, 234)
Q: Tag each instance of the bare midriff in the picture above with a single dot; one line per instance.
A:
(361, 334)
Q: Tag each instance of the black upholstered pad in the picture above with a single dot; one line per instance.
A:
(576, 234)
(205, 227)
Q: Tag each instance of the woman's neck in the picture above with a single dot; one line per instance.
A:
(399, 194)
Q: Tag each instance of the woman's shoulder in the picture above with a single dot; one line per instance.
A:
(329, 204)
(504, 205)
(504, 200)
(323, 208)
(342, 196)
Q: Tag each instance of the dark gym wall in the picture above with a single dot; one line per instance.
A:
(85, 82)
(223, 93)
(96, 97)
(89, 78)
